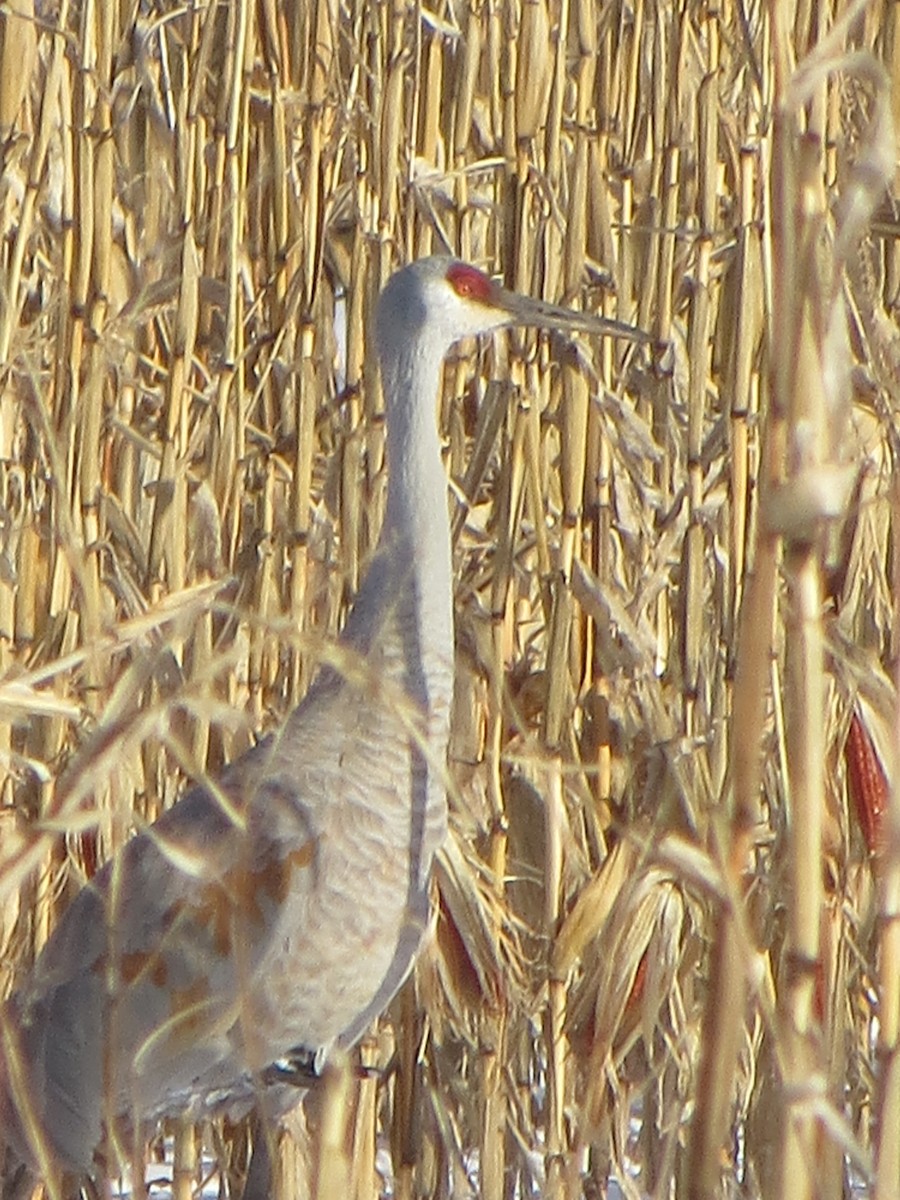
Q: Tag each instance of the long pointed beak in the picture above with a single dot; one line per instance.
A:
(524, 310)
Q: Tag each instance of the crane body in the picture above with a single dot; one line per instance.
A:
(279, 908)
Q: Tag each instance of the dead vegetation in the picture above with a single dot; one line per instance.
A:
(676, 853)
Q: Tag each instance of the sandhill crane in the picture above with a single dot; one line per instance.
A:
(275, 912)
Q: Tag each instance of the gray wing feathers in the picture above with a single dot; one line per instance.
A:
(135, 996)
(255, 916)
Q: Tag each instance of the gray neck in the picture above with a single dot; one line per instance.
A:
(411, 575)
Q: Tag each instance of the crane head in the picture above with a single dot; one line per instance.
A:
(438, 300)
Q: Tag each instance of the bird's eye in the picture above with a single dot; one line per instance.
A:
(469, 283)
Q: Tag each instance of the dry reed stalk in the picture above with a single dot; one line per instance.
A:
(798, 390)
(184, 1165)
(887, 1153)
(18, 49)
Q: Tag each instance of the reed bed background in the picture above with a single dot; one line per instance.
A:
(667, 948)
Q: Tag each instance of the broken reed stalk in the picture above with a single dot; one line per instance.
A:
(887, 1155)
(182, 202)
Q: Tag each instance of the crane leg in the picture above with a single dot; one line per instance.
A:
(258, 1184)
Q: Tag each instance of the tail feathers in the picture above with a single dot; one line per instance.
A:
(17, 1182)
(50, 1082)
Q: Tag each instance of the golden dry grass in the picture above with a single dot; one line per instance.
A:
(676, 578)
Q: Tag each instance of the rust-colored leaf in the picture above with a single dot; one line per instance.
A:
(867, 782)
